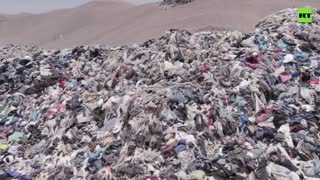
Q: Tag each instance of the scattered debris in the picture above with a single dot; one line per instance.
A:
(175, 2)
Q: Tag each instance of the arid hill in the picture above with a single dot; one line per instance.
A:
(118, 22)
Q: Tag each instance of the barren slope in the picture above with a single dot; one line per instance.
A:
(117, 22)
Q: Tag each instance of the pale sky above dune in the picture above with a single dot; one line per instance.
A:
(38, 6)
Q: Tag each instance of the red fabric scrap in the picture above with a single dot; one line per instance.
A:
(204, 68)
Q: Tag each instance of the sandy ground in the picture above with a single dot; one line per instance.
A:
(121, 23)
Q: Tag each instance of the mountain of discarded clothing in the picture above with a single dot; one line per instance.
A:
(214, 105)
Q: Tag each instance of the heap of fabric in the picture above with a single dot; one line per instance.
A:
(215, 105)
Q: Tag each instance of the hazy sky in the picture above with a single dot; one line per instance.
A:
(37, 6)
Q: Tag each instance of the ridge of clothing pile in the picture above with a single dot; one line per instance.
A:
(208, 105)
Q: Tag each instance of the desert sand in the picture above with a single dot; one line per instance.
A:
(111, 22)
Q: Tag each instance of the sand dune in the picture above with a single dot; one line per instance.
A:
(118, 22)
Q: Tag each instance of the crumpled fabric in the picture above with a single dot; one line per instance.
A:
(16, 136)
(312, 169)
(197, 175)
(93, 156)
(180, 146)
(281, 173)
(15, 174)
(185, 158)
